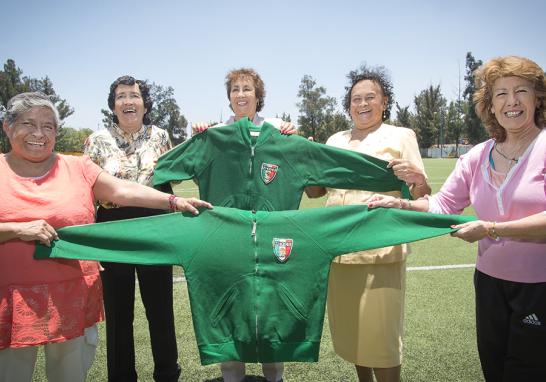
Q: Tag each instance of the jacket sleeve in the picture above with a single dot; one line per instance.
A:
(184, 161)
(156, 240)
(355, 228)
(329, 166)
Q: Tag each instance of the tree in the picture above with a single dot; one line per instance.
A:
(474, 128)
(72, 140)
(332, 124)
(284, 116)
(403, 116)
(429, 115)
(316, 110)
(107, 118)
(454, 123)
(165, 113)
(12, 83)
(176, 125)
(46, 86)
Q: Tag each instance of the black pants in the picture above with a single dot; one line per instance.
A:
(156, 289)
(511, 329)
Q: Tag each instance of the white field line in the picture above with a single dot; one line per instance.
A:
(436, 267)
(427, 268)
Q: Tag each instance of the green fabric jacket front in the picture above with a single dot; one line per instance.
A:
(257, 281)
(268, 172)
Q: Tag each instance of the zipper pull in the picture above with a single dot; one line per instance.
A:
(251, 160)
(253, 233)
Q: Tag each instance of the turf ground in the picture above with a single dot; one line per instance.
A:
(439, 343)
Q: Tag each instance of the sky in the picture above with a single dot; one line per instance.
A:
(83, 46)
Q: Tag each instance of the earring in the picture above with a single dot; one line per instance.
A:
(384, 115)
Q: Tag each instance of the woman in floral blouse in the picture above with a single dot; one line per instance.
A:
(129, 150)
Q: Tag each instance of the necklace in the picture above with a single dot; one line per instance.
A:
(524, 142)
(515, 160)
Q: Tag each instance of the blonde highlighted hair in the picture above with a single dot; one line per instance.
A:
(484, 79)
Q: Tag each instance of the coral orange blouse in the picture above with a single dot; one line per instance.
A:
(47, 301)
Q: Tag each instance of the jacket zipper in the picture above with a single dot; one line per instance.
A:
(251, 160)
(254, 239)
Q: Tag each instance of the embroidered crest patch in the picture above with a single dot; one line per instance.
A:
(268, 172)
(282, 248)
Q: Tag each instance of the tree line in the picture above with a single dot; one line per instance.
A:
(434, 120)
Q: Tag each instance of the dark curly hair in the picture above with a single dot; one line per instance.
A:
(484, 79)
(259, 86)
(144, 91)
(380, 76)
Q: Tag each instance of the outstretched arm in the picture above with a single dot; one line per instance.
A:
(379, 200)
(532, 227)
(125, 193)
(414, 177)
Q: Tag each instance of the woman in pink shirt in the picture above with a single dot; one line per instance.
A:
(504, 179)
(52, 303)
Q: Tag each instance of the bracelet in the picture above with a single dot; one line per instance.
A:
(172, 203)
(492, 233)
(402, 201)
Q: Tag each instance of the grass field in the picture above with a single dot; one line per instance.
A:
(439, 324)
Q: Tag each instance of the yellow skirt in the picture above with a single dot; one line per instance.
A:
(366, 312)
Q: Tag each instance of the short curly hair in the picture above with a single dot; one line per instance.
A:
(23, 102)
(144, 92)
(484, 79)
(259, 86)
(380, 76)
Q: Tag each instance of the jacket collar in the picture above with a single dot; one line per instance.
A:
(244, 125)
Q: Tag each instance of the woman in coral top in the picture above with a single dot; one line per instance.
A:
(52, 303)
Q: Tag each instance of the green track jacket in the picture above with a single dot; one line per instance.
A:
(269, 172)
(257, 281)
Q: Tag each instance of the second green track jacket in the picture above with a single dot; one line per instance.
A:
(257, 281)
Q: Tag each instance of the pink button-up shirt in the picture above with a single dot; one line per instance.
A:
(522, 193)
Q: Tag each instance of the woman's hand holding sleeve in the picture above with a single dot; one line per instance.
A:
(28, 231)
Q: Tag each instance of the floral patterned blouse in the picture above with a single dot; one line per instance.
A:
(130, 156)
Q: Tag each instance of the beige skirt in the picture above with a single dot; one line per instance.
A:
(366, 312)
